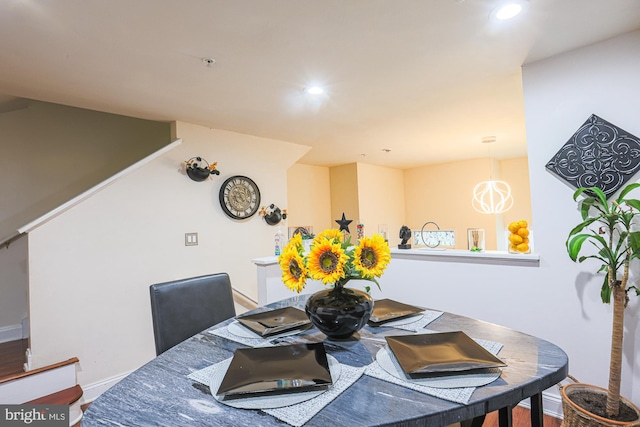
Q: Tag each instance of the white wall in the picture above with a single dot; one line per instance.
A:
(50, 154)
(13, 289)
(91, 267)
(562, 298)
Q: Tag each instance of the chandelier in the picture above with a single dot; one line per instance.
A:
(493, 196)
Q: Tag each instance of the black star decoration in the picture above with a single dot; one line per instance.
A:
(344, 223)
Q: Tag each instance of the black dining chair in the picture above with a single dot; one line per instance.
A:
(182, 308)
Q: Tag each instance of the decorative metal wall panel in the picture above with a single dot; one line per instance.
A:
(599, 154)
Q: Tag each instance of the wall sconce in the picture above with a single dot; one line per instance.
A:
(199, 169)
(272, 214)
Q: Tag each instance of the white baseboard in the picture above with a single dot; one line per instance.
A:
(92, 391)
(10, 333)
(551, 404)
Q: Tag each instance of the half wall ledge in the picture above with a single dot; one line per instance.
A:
(467, 257)
(447, 255)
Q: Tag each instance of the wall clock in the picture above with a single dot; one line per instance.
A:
(239, 197)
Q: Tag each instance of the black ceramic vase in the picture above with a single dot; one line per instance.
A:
(339, 312)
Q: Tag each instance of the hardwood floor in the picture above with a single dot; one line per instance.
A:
(12, 357)
(521, 418)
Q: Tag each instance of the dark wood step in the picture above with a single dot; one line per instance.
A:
(12, 357)
(67, 396)
(38, 370)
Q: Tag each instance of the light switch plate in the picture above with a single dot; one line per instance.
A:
(190, 239)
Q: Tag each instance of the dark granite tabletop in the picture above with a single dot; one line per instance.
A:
(160, 394)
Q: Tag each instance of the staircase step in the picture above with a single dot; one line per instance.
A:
(17, 376)
(33, 384)
(69, 396)
(63, 397)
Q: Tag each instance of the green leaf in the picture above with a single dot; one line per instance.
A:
(578, 228)
(603, 260)
(578, 192)
(603, 199)
(604, 251)
(634, 203)
(575, 244)
(585, 206)
(635, 288)
(634, 241)
(605, 291)
(626, 191)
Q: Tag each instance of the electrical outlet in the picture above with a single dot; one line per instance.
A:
(191, 239)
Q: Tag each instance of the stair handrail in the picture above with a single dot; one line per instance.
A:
(9, 240)
(96, 188)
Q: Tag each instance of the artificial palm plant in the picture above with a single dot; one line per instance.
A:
(609, 227)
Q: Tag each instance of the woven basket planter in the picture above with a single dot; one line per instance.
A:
(575, 416)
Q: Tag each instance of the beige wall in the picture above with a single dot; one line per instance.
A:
(91, 267)
(381, 199)
(344, 195)
(442, 193)
(516, 173)
(368, 194)
(377, 195)
(309, 197)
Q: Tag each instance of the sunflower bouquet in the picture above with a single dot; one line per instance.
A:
(332, 259)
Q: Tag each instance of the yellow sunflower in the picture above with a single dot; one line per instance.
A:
(332, 234)
(372, 256)
(326, 261)
(294, 243)
(294, 271)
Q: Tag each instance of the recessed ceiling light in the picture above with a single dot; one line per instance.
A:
(314, 90)
(509, 9)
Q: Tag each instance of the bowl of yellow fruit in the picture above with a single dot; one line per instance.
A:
(519, 237)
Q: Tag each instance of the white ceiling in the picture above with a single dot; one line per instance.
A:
(426, 79)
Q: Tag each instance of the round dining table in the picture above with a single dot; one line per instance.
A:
(163, 393)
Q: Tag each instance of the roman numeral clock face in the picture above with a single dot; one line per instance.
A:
(239, 197)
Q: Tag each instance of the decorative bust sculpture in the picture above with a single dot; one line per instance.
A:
(405, 235)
